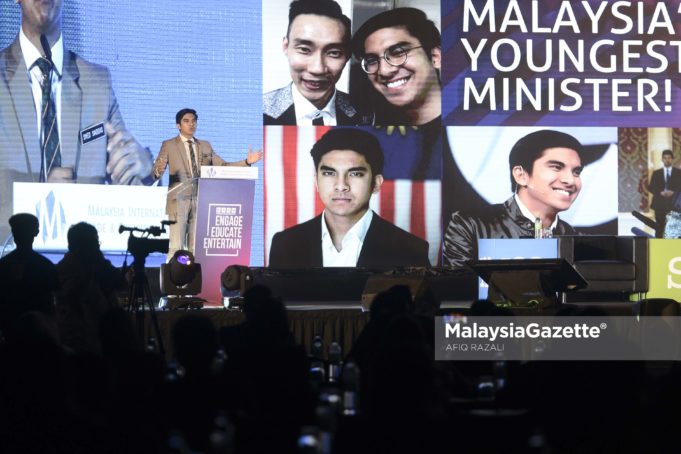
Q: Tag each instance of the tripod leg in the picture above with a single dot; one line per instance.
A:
(133, 306)
(154, 319)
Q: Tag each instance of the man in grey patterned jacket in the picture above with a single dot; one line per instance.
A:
(317, 46)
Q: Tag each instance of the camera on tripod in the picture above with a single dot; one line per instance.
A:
(142, 246)
(139, 295)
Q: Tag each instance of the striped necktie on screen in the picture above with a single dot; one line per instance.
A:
(51, 147)
(195, 169)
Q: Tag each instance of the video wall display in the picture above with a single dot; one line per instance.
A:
(556, 111)
(126, 69)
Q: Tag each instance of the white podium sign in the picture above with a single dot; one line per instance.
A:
(107, 207)
(230, 172)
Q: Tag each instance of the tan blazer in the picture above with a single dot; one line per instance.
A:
(174, 155)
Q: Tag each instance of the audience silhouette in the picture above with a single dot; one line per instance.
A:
(27, 279)
(82, 382)
(266, 377)
(88, 289)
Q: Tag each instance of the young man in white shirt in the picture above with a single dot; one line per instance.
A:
(317, 46)
(348, 170)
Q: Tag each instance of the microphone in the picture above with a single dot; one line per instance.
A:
(46, 48)
(168, 222)
(644, 219)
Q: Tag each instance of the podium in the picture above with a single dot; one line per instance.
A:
(224, 223)
(513, 249)
(528, 283)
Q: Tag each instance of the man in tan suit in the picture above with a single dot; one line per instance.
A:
(185, 154)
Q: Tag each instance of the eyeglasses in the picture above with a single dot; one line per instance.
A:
(394, 56)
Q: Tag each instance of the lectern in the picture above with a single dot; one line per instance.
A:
(224, 223)
(528, 283)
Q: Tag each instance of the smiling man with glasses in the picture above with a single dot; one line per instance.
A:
(399, 51)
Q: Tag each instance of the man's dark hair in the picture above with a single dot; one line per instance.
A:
(23, 222)
(414, 20)
(183, 112)
(531, 147)
(82, 237)
(354, 139)
(328, 8)
(25, 227)
(668, 152)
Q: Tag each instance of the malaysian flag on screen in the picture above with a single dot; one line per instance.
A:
(410, 196)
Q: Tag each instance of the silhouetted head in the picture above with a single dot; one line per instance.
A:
(83, 240)
(391, 303)
(265, 314)
(25, 228)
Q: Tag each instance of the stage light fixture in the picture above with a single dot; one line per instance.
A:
(236, 278)
(181, 280)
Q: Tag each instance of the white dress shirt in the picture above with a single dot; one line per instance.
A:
(530, 216)
(351, 245)
(35, 76)
(306, 111)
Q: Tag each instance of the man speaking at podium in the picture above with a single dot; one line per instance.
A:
(185, 154)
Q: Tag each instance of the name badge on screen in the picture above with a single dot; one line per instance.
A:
(92, 133)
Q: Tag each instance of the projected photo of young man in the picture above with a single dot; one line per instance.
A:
(317, 48)
(348, 166)
(545, 171)
(399, 51)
